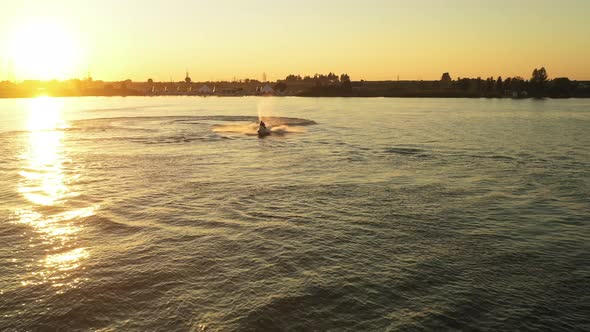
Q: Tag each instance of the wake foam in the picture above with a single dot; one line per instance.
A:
(185, 129)
(277, 126)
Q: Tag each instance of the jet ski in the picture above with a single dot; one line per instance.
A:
(263, 130)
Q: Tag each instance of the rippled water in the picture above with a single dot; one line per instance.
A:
(161, 214)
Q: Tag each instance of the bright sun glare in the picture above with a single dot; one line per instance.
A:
(45, 50)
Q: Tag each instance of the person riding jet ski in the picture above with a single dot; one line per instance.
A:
(262, 129)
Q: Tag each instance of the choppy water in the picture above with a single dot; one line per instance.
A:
(163, 214)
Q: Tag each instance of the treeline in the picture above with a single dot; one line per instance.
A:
(321, 85)
(317, 78)
(539, 85)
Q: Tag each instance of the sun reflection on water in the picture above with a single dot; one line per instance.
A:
(45, 182)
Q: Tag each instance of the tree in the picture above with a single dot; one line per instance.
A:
(332, 77)
(317, 81)
(539, 76)
(150, 81)
(499, 85)
(507, 84)
(561, 87)
(446, 77)
(490, 83)
(281, 87)
(539, 80)
(517, 84)
(445, 81)
(346, 83)
(292, 78)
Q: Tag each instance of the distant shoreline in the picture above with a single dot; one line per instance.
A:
(418, 96)
(560, 88)
(291, 96)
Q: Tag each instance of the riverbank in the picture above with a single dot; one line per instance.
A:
(397, 89)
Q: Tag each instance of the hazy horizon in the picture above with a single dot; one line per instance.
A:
(372, 40)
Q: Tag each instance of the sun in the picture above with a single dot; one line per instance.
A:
(44, 50)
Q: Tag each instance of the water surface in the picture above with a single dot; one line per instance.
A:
(160, 214)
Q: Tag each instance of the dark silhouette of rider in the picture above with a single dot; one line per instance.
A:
(262, 124)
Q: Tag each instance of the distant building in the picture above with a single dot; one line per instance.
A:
(205, 90)
(267, 90)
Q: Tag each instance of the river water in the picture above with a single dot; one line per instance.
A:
(168, 214)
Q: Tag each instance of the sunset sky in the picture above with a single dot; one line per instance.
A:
(222, 39)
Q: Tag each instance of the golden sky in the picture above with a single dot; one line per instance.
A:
(223, 39)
